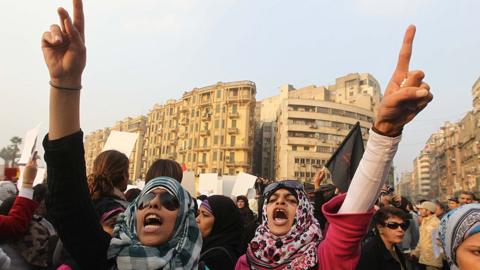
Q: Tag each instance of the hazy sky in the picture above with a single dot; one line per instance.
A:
(144, 52)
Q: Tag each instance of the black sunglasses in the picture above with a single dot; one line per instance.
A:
(395, 225)
(167, 200)
(293, 184)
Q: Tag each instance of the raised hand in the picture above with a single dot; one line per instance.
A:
(319, 176)
(30, 171)
(406, 94)
(64, 48)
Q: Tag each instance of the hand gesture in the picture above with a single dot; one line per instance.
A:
(319, 176)
(64, 48)
(406, 94)
(30, 171)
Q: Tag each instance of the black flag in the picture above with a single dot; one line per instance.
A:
(344, 162)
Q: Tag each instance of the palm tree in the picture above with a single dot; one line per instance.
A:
(5, 155)
(14, 148)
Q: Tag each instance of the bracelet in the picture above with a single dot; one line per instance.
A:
(65, 88)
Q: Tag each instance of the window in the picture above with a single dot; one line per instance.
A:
(234, 92)
(222, 140)
(223, 123)
(231, 171)
(217, 123)
(221, 156)
(234, 108)
(294, 148)
(204, 157)
(189, 157)
(205, 141)
(306, 148)
(232, 140)
(232, 156)
(219, 93)
(323, 149)
(217, 108)
(297, 160)
(214, 156)
(215, 140)
(307, 161)
(234, 123)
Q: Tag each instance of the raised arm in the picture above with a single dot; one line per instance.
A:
(65, 55)
(406, 95)
(68, 201)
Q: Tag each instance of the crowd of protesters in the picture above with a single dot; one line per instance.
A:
(80, 221)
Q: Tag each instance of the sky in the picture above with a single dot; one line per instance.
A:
(148, 51)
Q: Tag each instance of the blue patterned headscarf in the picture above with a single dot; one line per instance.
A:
(456, 226)
(182, 251)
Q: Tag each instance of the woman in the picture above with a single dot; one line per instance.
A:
(157, 230)
(162, 167)
(109, 177)
(245, 212)
(381, 251)
(460, 236)
(221, 228)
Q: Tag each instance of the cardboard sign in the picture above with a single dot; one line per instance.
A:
(243, 183)
(208, 184)
(188, 182)
(228, 183)
(29, 145)
(121, 141)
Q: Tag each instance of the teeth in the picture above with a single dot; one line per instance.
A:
(152, 216)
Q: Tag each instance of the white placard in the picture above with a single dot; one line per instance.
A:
(243, 183)
(228, 183)
(121, 141)
(208, 184)
(29, 145)
(188, 182)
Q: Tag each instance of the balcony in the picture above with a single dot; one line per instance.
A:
(204, 132)
(233, 115)
(232, 163)
(202, 164)
(182, 150)
(233, 131)
(173, 141)
(206, 117)
(239, 98)
(183, 121)
(172, 156)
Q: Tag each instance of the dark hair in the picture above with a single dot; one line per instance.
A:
(202, 197)
(467, 193)
(39, 192)
(386, 212)
(441, 205)
(109, 170)
(164, 167)
(132, 194)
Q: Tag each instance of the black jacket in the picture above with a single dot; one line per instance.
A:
(375, 256)
(69, 205)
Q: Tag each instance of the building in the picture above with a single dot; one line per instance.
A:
(403, 186)
(93, 145)
(311, 122)
(95, 141)
(421, 179)
(208, 130)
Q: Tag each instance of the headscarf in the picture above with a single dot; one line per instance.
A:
(227, 228)
(182, 251)
(456, 226)
(246, 213)
(295, 250)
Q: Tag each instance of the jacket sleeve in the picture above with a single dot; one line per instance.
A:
(340, 250)
(69, 205)
(16, 222)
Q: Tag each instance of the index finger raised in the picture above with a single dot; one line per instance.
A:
(78, 17)
(403, 63)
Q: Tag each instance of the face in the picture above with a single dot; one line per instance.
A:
(155, 223)
(393, 236)
(109, 224)
(465, 199)
(385, 199)
(240, 204)
(439, 211)
(281, 209)
(468, 253)
(452, 205)
(424, 212)
(205, 221)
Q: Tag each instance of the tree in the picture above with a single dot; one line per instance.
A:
(10, 153)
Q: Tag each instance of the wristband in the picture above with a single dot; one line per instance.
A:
(65, 88)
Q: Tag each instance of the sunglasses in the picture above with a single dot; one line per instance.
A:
(166, 199)
(395, 225)
(293, 184)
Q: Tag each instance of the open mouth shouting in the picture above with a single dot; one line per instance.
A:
(280, 217)
(152, 223)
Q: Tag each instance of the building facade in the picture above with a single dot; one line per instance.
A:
(209, 130)
(312, 121)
